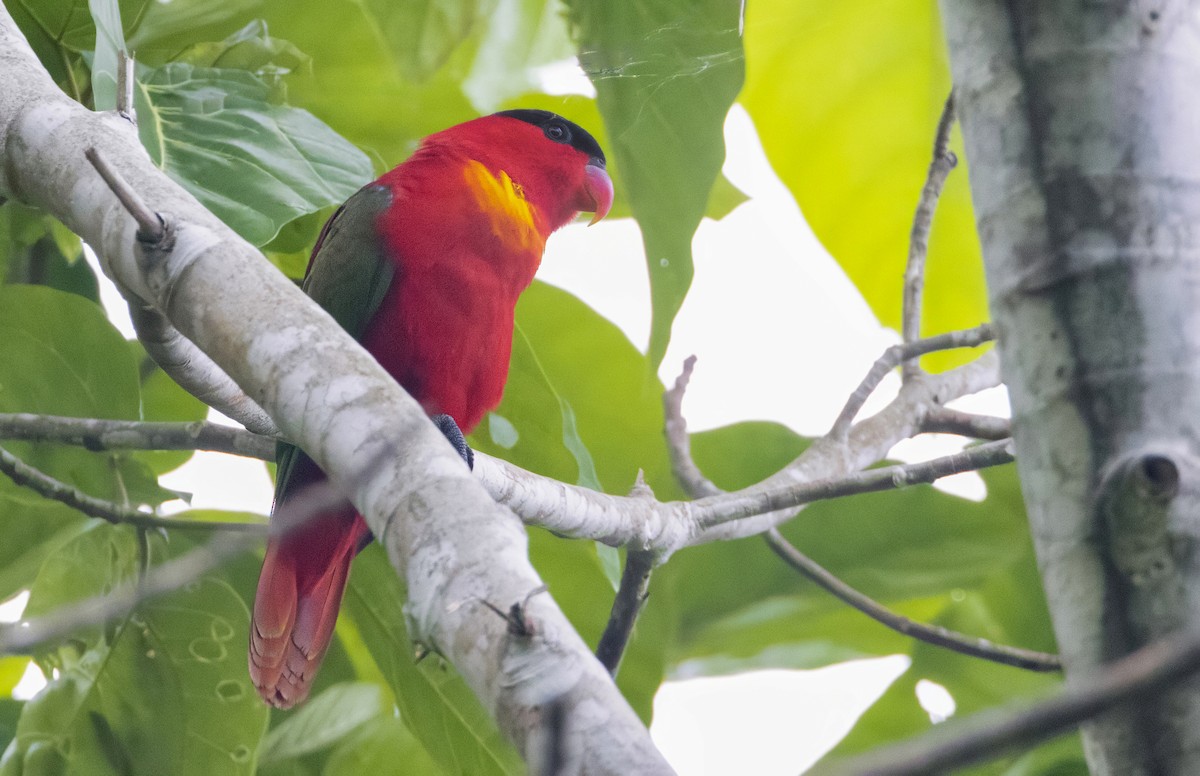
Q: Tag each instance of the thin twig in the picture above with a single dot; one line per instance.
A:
(627, 605)
(942, 163)
(1149, 670)
(126, 79)
(947, 421)
(632, 593)
(150, 225)
(27, 476)
(100, 435)
(898, 354)
(930, 634)
(30, 636)
(679, 446)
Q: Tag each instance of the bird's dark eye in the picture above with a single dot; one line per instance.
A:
(558, 133)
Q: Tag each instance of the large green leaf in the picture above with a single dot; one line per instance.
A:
(162, 691)
(323, 721)
(845, 97)
(255, 162)
(381, 747)
(665, 72)
(60, 356)
(435, 703)
(145, 23)
(422, 34)
(355, 85)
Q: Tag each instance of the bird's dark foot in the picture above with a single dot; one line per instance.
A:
(454, 436)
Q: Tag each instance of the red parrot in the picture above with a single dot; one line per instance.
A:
(423, 267)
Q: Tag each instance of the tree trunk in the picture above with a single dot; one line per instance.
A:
(1081, 122)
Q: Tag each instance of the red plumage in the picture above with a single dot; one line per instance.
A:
(424, 266)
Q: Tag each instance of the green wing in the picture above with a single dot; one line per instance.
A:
(349, 275)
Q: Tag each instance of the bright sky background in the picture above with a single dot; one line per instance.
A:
(781, 334)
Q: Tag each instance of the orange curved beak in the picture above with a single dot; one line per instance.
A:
(599, 190)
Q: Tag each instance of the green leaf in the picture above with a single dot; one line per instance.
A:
(163, 691)
(382, 746)
(110, 39)
(36, 248)
(851, 136)
(323, 721)
(251, 48)
(167, 27)
(665, 72)
(421, 35)
(53, 339)
(256, 163)
(144, 23)
(435, 703)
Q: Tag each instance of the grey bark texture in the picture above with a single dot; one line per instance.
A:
(1082, 122)
(452, 544)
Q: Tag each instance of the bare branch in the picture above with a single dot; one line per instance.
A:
(99, 435)
(151, 228)
(25, 475)
(679, 445)
(126, 80)
(578, 512)
(1138, 675)
(898, 354)
(930, 634)
(715, 510)
(697, 485)
(918, 244)
(947, 421)
(631, 595)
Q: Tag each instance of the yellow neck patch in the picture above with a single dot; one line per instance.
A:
(504, 202)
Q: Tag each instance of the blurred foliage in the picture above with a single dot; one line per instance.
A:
(273, 111)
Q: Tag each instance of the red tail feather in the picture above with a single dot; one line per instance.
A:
(299, 594)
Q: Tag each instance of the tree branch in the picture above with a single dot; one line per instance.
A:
(679, 444)
(944, 420)
(632, 592)
(898, 354)
(631, 595)
(1136, 676)
(930, 634)
(99, 435)
(27, 476)
(696, 484)
(618, 521)
(918, 243)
